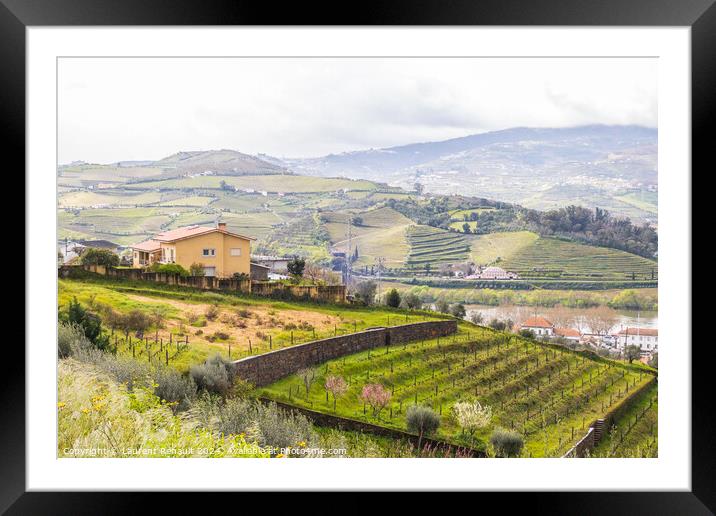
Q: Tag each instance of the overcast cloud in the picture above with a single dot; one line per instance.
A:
(135, 109)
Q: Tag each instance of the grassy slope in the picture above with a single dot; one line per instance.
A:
(382, 233)
(486, 249)
(184, 311)
(516, 378)
(577, 260)
(635, 434)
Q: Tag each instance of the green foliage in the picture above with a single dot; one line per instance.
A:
(632, 353)
(197, 269)
(411, 301)
(70, 338)
(169, 268)
(90, 323)
(365, 292)
(527, 334)
(296, 266)
(174, 387)
(392, 298)
(104, 257)
(422, 420)
(215, 375)
(506, 443)
(458, 310)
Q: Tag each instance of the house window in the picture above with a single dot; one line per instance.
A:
(235, 251)
(209, 252)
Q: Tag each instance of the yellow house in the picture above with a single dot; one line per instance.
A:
(221, 253)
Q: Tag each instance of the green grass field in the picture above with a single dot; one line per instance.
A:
(567, 260)
(548, 393)
(636, 432)
(433, 247)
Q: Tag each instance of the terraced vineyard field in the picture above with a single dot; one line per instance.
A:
(547, 393)
(433, 247)
(382, 232)
(636, 431)
(487, 249)
(567, 260)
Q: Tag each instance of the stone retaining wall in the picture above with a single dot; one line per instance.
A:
(269, 367)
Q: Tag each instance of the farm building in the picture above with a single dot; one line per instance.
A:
(539, 326)
(221, 253)
(276, 264)
(493, 273)
(646, 338)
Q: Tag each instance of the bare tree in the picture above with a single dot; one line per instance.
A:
(601, 319)
(308, 376)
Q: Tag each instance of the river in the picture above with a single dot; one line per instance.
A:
(568, 317)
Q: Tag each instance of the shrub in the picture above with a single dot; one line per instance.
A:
(527, 334)
(90, 323)
(422, 420)
(104, 257)
(412, 301)
(197, 269)
(169, 268)
(212, 312)
(457, 310)
(235, 416)
(506, 443)
(215, 375)
(172, 386)
(477, 318)
(442, 306)
(296, 266)
(365, 292)
(242, 276)
(275, 427)
(392, 298)
(70, 338)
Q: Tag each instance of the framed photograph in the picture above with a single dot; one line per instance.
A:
(438, 244)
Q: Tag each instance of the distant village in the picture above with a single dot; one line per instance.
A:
(646, 339)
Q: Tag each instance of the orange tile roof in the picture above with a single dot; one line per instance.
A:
(647, 332)
(567, 332)
(147, 246)
(537, 322)
(179, 233)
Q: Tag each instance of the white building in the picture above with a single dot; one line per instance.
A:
(539, 326)
(493, 273)
(646, 338)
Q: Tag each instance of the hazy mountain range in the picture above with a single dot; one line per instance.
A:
(613, 167)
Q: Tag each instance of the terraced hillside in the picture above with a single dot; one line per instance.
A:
(381, 232)
(550, 257)
(635, 434)
(547, 393)
(432, 247)
(488, 249)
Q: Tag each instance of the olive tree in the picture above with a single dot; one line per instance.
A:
(422, 420)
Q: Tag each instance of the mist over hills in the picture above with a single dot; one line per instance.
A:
(614, 167)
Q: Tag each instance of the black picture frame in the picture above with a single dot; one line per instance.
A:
(17, 15)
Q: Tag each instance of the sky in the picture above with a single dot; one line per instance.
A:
(113, 109)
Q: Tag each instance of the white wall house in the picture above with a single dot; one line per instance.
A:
(646, 338)
(493, 273)
(539, 326)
